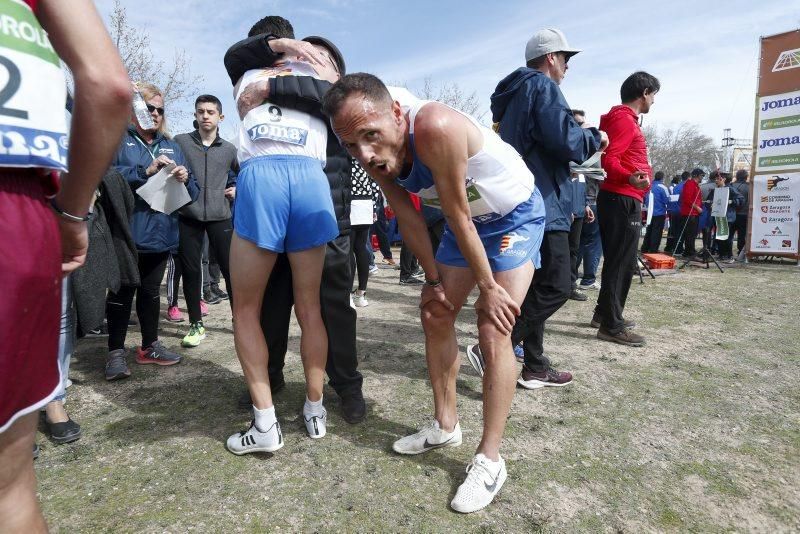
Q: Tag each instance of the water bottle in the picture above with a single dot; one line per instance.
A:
(141, 111)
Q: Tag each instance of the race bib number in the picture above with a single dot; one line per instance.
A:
(33, 125)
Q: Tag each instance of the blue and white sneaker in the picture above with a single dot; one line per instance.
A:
(519, 353)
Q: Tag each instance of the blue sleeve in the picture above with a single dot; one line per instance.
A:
(554, 127)
(133, 170)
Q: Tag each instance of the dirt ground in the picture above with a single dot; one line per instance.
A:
(698, 431)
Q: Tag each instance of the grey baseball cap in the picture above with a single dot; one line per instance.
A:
(547, 41)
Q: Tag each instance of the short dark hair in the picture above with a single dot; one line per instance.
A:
(277, 26)
(208, 99)
(659, 175)
(367, 85)
(715, 174)
(741, 175)
(676, 179)
(637, 84)
(685, 176)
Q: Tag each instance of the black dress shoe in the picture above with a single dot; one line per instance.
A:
(276, 384)
(354, 409)
(65, 432)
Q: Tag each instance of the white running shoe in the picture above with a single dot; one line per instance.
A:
(360, 299)
(430, 437)
(476, 358)
(316, 425)
(483, 482)
(352, 304)
(253, 440)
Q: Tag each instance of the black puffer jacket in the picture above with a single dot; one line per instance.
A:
(337, 169)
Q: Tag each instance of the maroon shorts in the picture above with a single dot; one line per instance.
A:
(30, 296)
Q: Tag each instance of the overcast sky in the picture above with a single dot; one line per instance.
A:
(704, 53)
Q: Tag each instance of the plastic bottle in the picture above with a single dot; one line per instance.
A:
(141, 111)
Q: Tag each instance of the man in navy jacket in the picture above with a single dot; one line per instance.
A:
(661, 202)
(532, 115)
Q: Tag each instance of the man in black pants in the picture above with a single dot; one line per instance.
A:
(619, 205)
(268, 40)
(213, 162)
(740, 225)
(536, 120)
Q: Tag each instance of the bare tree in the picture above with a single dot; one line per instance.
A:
(175, 80)
(674, 150)
(452, 95)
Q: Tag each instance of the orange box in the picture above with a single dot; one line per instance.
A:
(659, 261)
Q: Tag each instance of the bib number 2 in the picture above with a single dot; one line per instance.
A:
(10, 89)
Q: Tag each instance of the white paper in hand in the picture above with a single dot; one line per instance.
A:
(163, 192)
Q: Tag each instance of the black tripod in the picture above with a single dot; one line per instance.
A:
(704, 252)
(643, 263)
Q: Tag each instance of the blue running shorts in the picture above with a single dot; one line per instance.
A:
(283, 203)
(509, 242)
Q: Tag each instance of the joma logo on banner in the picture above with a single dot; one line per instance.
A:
(782, 103)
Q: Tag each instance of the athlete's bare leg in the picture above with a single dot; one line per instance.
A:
(306, 278)
(441, 347)
(250, 268)
(19, 509)
(500, 374)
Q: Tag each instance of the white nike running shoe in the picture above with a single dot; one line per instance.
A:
(316, 425)
(483, 482)
(430, 437)
(253, 440)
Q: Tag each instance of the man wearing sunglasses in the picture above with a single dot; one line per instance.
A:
(531, 114)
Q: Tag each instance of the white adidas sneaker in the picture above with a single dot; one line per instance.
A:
(483, 481)
(253, 440)
(429, 438)
(316, 425)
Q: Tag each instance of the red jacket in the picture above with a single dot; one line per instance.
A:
(625, 154)
(690, 194)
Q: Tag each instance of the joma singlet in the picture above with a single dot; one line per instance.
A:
(269, 129)
(497, 179)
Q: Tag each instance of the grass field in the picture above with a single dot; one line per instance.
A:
(697, 431)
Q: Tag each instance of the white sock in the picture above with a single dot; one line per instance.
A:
(264, 418)
(313, 408)
(493, 465)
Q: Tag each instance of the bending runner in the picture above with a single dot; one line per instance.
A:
(495, 222)
(283, 204)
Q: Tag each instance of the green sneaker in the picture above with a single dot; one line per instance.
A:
(197, 333)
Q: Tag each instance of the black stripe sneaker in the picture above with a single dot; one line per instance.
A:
(429, 438)
(253, 440)
(316, 425)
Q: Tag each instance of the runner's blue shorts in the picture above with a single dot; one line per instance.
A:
(509, 242)
(283, 203)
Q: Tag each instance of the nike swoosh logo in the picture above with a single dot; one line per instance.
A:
(428, 446)
(492, 487)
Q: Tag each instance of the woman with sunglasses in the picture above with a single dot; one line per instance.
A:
(141, 155)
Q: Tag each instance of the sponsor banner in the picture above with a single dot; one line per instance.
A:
(778, 132)
(780, 63)
(775, 221)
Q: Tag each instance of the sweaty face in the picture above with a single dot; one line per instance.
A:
(373, 134)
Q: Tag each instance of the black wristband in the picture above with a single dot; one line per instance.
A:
(434, 283)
